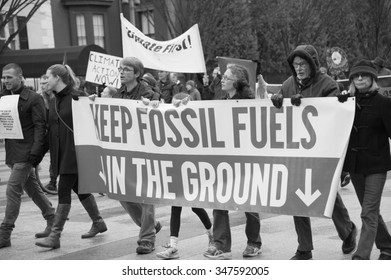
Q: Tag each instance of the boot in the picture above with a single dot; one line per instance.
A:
(53, 240)
(98, 225)
(5, 235)
(47, 230)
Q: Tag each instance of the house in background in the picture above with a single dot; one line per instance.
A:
(72, 28)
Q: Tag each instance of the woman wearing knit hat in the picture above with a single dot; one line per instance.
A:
(192, 90)
(368, 157)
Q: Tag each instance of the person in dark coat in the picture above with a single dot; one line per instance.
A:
(165, 86)
(213, 90)
(178, 86)
(368, 157)
(308, 81)
(63, 83)
(22, 155)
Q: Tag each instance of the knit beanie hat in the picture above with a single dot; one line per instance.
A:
(363, 66)
(191, 83)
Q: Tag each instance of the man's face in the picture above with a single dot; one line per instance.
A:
(43, 83)
(301, 67)
(127, 74)
(174, 78)
(11, 79)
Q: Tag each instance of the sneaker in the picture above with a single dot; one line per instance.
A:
(302, 255)
(349, 243)
(145, 247)
(251, 251)
(215, 254)
(158, 227)
(384, 256)
(345, 180)
(168, 254)
(211, 250)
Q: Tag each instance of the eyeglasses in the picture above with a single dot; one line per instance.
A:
(225, 77)
(125, 69)
(362, 75)
(301, 65)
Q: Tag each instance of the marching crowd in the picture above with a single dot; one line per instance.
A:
(47, 125)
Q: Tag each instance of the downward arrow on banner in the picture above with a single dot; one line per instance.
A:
(308, 197)
(101, 173)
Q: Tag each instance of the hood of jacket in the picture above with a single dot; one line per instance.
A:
(307, 52)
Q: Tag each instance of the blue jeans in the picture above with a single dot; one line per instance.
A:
(23, 178)
(144, 216)
(222, 230)
(369, 189)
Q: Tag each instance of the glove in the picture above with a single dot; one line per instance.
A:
(145, 101)
(296, 99)
(277, 100)
(75, 96)
(34, 160)
(343, 96)
(91, 97)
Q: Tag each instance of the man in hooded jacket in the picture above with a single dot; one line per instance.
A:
(308, 81)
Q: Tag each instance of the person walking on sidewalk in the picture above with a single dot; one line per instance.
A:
(368, 157)
(308, 81)
(23, 155)
(131, 71)
(235, 83)
(62, 81)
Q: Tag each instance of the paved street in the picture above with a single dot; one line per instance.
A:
(119, 242)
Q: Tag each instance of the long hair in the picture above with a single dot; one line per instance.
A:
(66, 74)
(241, 85)
(353, 89)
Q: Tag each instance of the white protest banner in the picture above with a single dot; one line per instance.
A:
(182, 54)
(103, 69)
(231, 154)
(10, 127)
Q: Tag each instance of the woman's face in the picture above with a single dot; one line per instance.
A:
(227, 81)
(188, 87)
(362, 82)
(52, 81)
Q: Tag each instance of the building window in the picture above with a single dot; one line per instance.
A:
(81, 30)
(99, 30)
(7, 31)
(147, 23)
(23, 36)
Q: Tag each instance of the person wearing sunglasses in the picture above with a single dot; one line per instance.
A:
(368, 157)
